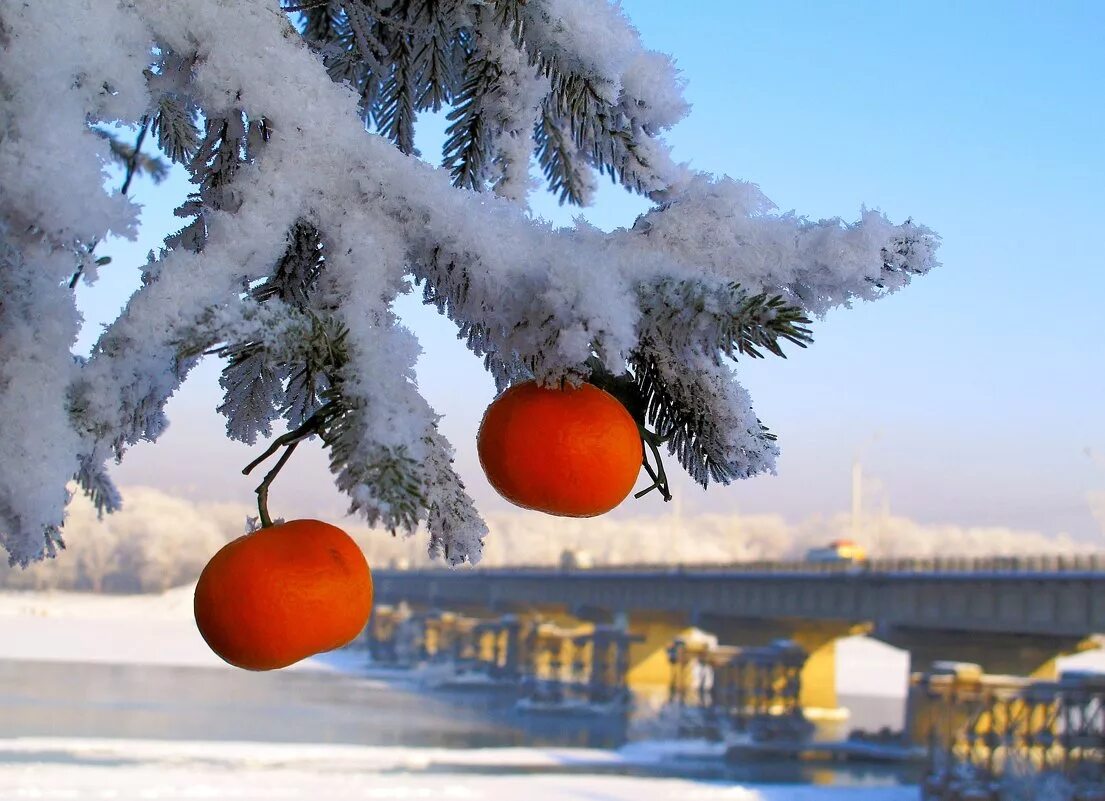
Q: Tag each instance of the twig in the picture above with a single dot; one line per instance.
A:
(263, 488)
(291, 438)
(311, 426)
(625, 390)
(659, 476)
(132, 162)
(132, 168)
(297, 7)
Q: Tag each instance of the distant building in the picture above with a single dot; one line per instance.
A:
(838, 551)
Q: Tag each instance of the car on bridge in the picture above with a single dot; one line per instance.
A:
(838, 551)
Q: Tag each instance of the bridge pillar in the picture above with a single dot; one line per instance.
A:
(1034, 655)
(816, 638)
(819, 671)
(649, 666)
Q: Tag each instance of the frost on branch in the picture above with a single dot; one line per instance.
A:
(303, 228)
(61, 75)
(39, 444)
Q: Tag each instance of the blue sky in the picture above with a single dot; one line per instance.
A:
(972, 394)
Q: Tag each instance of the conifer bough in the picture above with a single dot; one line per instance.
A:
(311, 213)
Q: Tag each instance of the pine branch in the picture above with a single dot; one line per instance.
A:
(456, 528)
(467, 152)
(907, 254)
(218, 160)
(254, 392)
(175, 127)
(318, 19)
(726, 228)
(720, 318)
(93, 479)
(609, 127)
(304, 392)
(601, 130)
(226, 146)
(353, 57)
(435, 62)
(321, 355)
(447, 285)
(397, 99)
(383, 483)
(530, 299)
(703, 414)
(298, 270)
(367, 38)
(510, 15)
(565, 170)
(255, 375)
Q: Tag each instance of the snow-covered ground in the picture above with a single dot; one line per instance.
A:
(121, 629)
(171, 771)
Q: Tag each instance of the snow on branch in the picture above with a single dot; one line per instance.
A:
(729, 229)
(695, 404)
(39, 445)
(56, 81)
(491, 134)
(305, 228)
(614, 96)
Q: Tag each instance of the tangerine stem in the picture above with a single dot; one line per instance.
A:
(286, 439)
(311, 426)
(659, 476)
(263, 488)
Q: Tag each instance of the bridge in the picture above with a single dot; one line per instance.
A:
(1009, 615)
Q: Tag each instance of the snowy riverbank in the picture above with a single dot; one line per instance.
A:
(116, 629)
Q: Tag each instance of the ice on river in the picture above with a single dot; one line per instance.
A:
(187, 771)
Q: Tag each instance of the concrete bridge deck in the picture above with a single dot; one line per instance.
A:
(1012, 616)
(1052, 597)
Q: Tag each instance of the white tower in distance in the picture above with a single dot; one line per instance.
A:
(857, 497)
(857, 487)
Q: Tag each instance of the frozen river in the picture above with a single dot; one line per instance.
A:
(118, 698)
(52, 699)
(74, 701)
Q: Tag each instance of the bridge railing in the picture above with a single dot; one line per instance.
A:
(951, 565)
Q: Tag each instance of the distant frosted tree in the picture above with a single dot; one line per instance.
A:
(310, 213)
(97, 556)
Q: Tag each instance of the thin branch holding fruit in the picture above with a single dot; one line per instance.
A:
(659, 477)
(313, 425)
